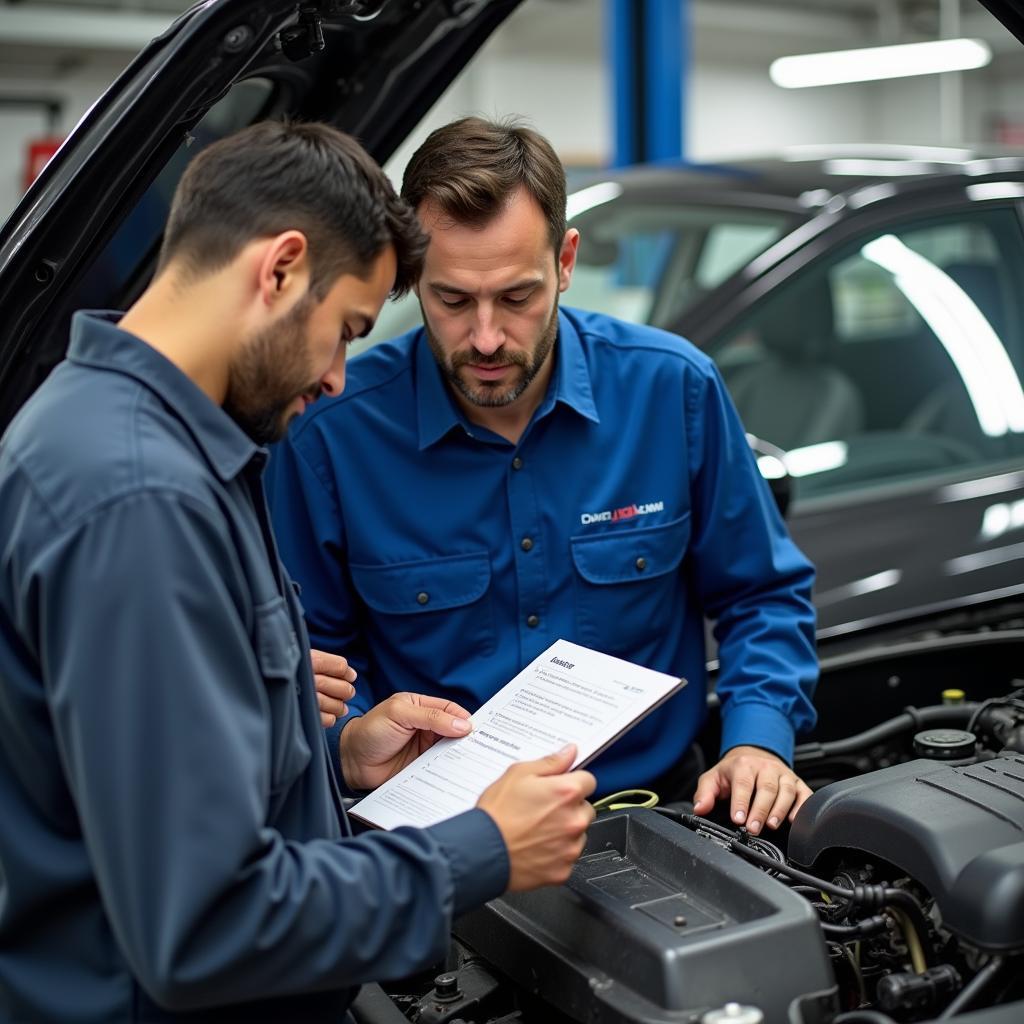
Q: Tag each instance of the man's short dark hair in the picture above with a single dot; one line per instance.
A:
(470, 168)
(277, 176)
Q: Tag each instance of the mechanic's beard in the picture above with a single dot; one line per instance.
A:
(494, 394)
(269, 374)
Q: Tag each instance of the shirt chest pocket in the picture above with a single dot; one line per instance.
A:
(279, 654)
(628, 585)
(432, 613)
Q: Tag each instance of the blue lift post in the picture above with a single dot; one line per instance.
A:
(647, 48)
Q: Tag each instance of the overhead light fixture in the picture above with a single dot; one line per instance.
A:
(876, 62)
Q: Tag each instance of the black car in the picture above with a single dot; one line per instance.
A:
(900, 890)
(865, 309)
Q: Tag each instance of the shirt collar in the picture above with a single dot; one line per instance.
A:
(437, 412)
(97, 341)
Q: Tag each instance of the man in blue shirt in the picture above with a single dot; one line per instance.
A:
(512, 473)
(172, 844)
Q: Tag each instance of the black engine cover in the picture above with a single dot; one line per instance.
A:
(959, 831)
(656, 925)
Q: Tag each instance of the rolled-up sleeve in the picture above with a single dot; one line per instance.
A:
(752, 580)
(162, 722)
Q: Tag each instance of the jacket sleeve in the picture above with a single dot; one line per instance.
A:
(305, 510)
(163, 726)
(751, 578)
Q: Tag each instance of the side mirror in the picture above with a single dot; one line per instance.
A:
(771, 460)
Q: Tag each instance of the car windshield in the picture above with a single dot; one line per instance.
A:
(649, 261)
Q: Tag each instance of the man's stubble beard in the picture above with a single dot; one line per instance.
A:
(494, 396)
(269, 374)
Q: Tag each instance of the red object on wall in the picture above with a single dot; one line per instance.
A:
(38, 155)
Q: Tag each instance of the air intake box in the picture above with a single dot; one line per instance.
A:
(654, 921)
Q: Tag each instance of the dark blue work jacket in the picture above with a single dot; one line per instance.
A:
(169, 844)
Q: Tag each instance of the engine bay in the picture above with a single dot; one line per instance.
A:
(898, 895)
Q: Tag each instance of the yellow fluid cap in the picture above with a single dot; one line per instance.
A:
(953, 696)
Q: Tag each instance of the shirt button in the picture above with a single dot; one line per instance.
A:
(517, 463)
(422, 597)
(526, 543)
(532, 621)
(641, 564)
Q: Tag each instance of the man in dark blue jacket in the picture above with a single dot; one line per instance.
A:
(172, 842)
(525, 473)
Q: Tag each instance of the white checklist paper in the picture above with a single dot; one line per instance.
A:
(569, 694)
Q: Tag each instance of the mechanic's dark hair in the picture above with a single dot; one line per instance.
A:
(277, 176)
(471, 167)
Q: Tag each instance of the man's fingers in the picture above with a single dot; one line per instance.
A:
(709, 788)
(425, 700)
(783, 800)
(331, 706)
(742, 788)
(330, 686)
(803, 791)
(552, 764)
(767, 792)
(438, 720)
(327, 720)
(583, 784)
(332, 665)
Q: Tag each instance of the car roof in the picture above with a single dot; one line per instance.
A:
(802, 179)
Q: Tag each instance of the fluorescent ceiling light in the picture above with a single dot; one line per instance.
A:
(588, 198)
(877, 62)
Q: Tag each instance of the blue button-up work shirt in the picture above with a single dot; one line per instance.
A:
(169, 840)
(438, 557)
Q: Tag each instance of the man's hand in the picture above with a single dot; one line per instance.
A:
(541, 810)
(746, 772)
(389, 736)
(334, 678)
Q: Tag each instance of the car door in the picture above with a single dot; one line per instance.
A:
(889, 369)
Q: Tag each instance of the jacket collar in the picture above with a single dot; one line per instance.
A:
(97, 341)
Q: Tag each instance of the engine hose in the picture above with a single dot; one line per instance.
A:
(908, 908)
(972, 989)
(912, 939)
(860, 930)
(912, 718)
(869, 897)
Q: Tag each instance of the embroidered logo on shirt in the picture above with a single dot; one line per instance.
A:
(615, 515)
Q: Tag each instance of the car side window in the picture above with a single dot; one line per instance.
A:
(650, 261)
(899, 356)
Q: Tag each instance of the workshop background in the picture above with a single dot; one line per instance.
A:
(608, 81)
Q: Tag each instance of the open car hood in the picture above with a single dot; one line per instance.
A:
(1010, 13)
(371, 67)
